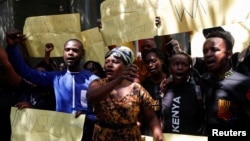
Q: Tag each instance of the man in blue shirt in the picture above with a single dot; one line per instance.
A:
(70, 85)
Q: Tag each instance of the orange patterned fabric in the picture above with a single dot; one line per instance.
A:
(120, 112)
(143, 72)
(224, 109)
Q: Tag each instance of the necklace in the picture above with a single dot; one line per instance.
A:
(226, 74)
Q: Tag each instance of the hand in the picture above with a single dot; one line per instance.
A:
(78, 113)
(138, 58)
(99, 24)
(158, 134)
(14, 37)
(157, 21)
(131, 73)
(175, 44)
(22, 105)
(3, 55)
(163, 85)
(159, 138)
(49, 47)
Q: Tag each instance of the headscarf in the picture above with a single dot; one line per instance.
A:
(123, 52)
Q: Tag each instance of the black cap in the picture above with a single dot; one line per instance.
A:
(206, 31)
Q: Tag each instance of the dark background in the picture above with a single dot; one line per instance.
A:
(14, 12)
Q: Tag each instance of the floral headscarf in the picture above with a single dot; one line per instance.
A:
(122, 52)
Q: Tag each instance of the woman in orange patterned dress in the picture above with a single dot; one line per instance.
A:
(118, 99)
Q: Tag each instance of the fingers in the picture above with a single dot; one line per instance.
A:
(22, 105)
(157, 21)
(131, 73)
(176, 45)
(14, 37)
(164, 83)
(3, 55)
(78, 113)
(99, 24)
(13, 33)
(49, 47)
(159, 138)
(133, 68)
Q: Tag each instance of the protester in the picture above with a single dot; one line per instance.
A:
(241, 61)
(70, 85)
(9, 80)
(30, 95)
(147, 44)
(227, 91)
(10, 77)
(47, 63)
(182, 107)
(170, 46)
(95, 68)
(118, 99)
(155, 63)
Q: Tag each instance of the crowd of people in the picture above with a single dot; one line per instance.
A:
(161, 91)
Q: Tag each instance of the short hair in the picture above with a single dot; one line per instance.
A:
(95, 66)
(48, 67)
(149, 41)
(190, 61)
(157, 51)
(206, 31)
(225, 35)
(160, 55)
(76, 40)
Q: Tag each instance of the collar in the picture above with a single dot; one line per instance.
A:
(226, 74)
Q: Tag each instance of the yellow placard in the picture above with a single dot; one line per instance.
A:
(176, 137)
(63, 23)
(35, 43)
(189, 15)
(95, 49)
(56, 29)
(130, 20)
(183, 137)
(42, 125)
(124, 21)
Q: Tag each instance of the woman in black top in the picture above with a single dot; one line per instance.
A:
(182, 108)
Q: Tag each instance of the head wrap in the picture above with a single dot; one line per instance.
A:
(123, 52)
